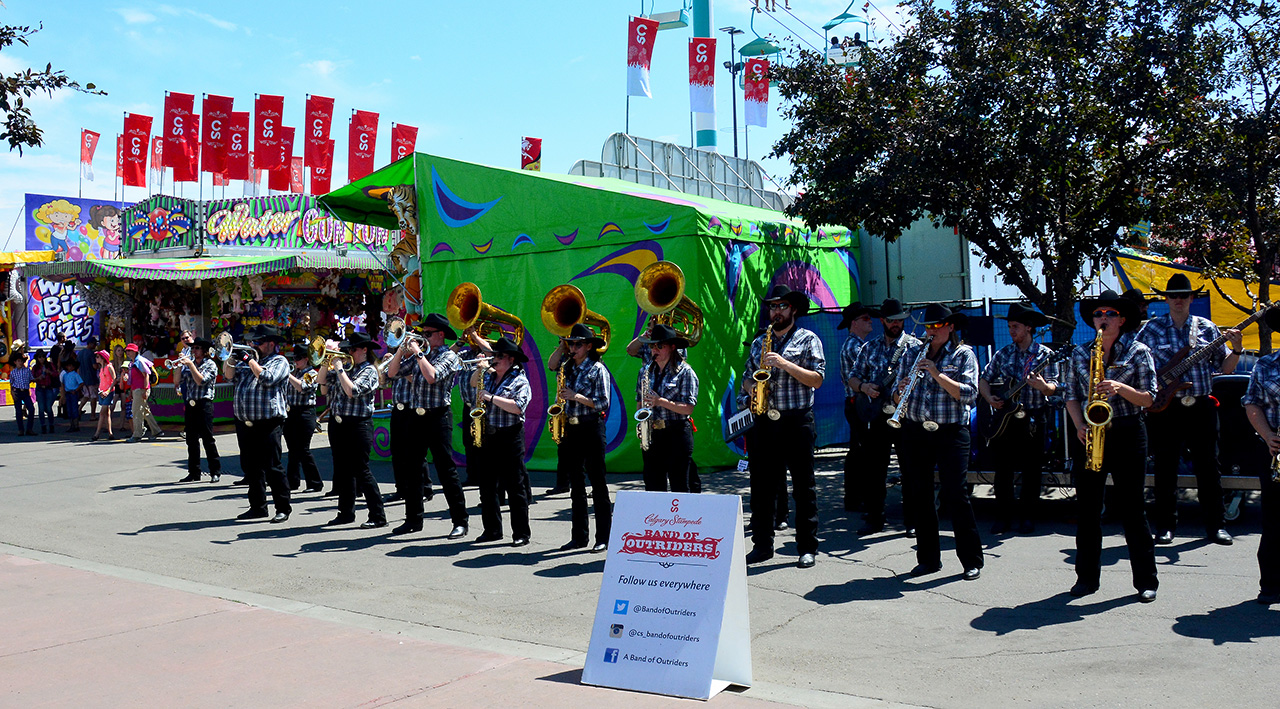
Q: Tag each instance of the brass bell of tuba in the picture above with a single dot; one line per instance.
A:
(565, 306)
(660, 292)
(465, 309)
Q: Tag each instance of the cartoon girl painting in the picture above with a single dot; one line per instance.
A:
(61, 219)
(106, 218)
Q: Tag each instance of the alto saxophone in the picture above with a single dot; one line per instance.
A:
(644, 414)
(1097, 412)
(759, 393)
(556, 415)
(477, 413)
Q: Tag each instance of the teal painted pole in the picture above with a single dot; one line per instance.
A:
(705, 123)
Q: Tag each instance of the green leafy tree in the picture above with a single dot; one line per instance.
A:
(16, 124)
(1030, 126)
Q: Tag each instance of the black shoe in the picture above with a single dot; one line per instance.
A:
(911, 532)
(1147, 596)
(759, 554)
(1083, 589)
(870, 528)
(393, 497)
(1221, 537)
(314, 488)
(489, 537)
(241, 481)
(215, 477)
(972, 574)
(428, 495)
(407, 528)
(1164, 538)
(1268, 599)
(459, 531)
(599, 547)
(570, 546)
(520, 542)
(926, 569)
(280, 517)
(253, 514)
(1026, 526)
(191, 478)
(340, 519)
(373, 524)
(557, 491)
(806, 561)
(333, 492)
(1000, 527)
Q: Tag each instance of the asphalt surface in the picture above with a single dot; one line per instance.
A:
(855, 631)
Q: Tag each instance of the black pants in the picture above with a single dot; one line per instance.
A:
(22, 404)
(435, 431)
(409, 459)
(1193, 429)
(299, 427)
(1269, 543)
(1124, 457)
(260, 462)
(582, 450)
(198, 422)
(782, 445)
(1020, 449)
(349, 442)
(781, 505)
(854, 488)
(948, 449)
(875, 450)
(502, 466)
(666, 463)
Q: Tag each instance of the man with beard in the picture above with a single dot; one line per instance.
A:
(874, 372)
(199, 374)
(259, 409)
(785, 433)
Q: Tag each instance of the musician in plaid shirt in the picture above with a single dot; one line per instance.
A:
(502, 450)
(1262, 405)
(1191, 422)
(259, 408)
(20, 386)
(350, 397)
(422, 421)
(199, 374)
(1021, 445)
(935, 432)
(639, 347)
(856, 319)
(300, 423)
(673, 392)
(785, 434)
(586, 396)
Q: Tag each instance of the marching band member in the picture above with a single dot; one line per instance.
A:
(1021, 446)
(856, 320)
(259, 409)
(1126, 387)
(784, 437)
(935, 432)
(469, 346)
(300, 424)
(671, 394)
(199, 374)
(1262, 405)
(351, 430)
(501, 453)
(1192, 423)
(586, 396)
(876, 359)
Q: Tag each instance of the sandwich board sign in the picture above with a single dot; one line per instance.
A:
(672, 617)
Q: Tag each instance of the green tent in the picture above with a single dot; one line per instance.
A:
(518, 234)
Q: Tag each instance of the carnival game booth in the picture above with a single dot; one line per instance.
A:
(518, 234)
(230, 265)
(12, 311)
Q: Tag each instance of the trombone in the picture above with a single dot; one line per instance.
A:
(565, 306)
(660, 292)
(466, 309)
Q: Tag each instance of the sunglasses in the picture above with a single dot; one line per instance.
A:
(934, 326)
(1106, 313)
(1184, 296)
(779, 306)
(429, 333)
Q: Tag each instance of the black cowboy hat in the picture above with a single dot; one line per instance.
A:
(1027, 315)
(580, 333)
(890, 309)
(1109, 299)
(266, 333)
(436, 321)
(1179, 284)
(358, 340)
(1272, 318)
(798, 300)
(665, 333)
(301, 352)
(202, 343)
(938, 313)
(504, 346)
(852, 312)
(1135, 295)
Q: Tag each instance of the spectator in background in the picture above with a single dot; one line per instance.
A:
(106, 378)
(118, 364)
(123, 394)
(46, 378)
(20, 387)
(71, 384)
(88, 370)
(140, 369)
(55, 352)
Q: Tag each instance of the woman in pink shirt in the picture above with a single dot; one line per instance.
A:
(106, 393)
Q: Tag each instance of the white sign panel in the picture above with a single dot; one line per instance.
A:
(672, 615)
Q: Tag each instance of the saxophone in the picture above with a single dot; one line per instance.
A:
(1097, 412)
(759, 393)
(916, 374)
(644, 414)
(477, 413)
(556, 416)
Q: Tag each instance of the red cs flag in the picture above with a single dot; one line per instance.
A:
(181, 131)
(295, 174)
(322, 174)
(137, 140)
(267, 113)
(157, 161)
(236, 162)
(215, 126)
(119, 155)
(88, 145)
(702, 75)
(361, 142)
(278, 178)
(403, 139)
(757, 92)
(531, 154)
(641, 32)
(317, 130)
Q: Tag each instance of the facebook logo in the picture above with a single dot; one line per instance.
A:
(620, 607)
(611, 655)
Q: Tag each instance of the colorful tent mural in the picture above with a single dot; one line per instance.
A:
(518, 234)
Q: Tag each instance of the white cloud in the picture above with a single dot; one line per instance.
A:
(416, 58)
(134, 16)
(321, 67)
(219, 23)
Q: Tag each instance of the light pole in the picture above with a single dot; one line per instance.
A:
(734, 67)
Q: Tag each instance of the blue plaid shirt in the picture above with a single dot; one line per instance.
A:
(872, 364)
(419, 392)
(1164, 341)
(929, 401)
(261, 397)
(190, 390)
(514, 386)
(848, 358)
(364, 383)
(1264, 388)
(676, 382)
(800, 347)
(1011, 365)
(306, 397)
(591, 380)
(20, 379)
(1131, 364)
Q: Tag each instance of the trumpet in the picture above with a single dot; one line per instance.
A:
(310, 377)
(474, 360)
(466, 309)
(172, 363)
(914, 377)
(315, 351)
(333, 356)
(1097, 412)
(659, 291)
(382, 366)
(565, 306)
(397, 333)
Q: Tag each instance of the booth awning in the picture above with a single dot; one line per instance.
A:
(9, 259)
(185, 269)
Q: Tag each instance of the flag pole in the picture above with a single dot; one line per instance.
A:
(80, 179)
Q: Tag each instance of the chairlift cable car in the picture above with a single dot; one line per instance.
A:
(846, 56)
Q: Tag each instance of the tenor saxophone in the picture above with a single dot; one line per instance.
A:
(1097, 412)
(759, 403)
(644, 414)
(477, 413)
(556, 415)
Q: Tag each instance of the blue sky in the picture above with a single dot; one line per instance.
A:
(474, 77)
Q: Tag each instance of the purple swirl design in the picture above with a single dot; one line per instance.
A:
(382, 436)
(453, 210)
(798, 275)
(735, 257)
(658, 228)
(617, 423)
(715, 223)
(568, 238)
(441, 249)
(627, 262)
(522, 239)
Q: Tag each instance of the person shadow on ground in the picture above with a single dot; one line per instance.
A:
(1244, 622)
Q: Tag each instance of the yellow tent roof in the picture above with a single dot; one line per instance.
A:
(17, 258)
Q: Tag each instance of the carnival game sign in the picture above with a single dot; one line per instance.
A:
(57, 308)
(81, 229)
(288, 221)
(160, 221)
